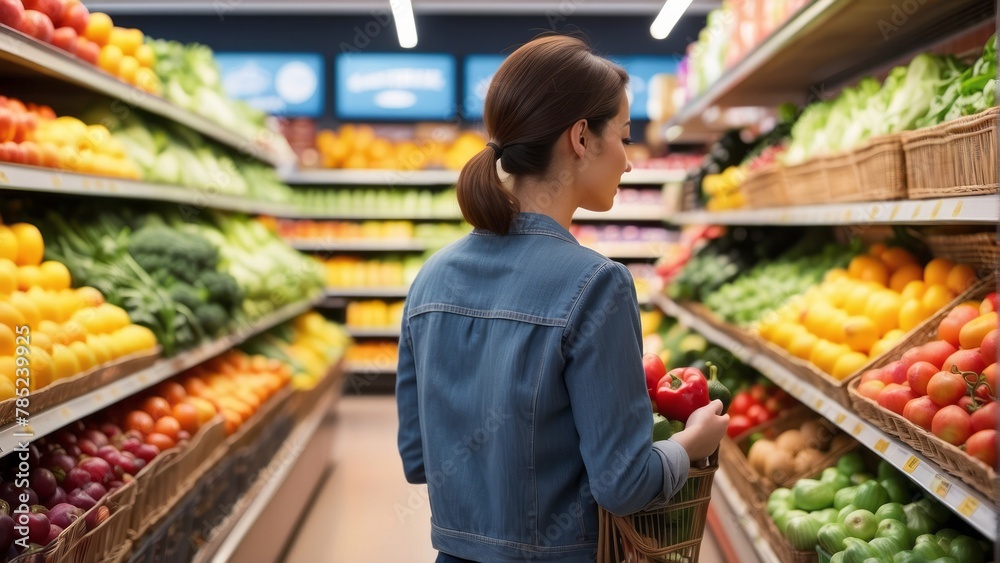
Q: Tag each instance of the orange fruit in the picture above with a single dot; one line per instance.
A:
(8, 243)
(914, 290)
(42, 340)
(98, 28)
(877, 249)
(936, 297)
(7, 341)
(911, 314)
(101, 349)
(194, 386)
(883, 310)
(157, 407)
(187, 416)
(904, 275)
(237, 405)
(835, 274)
(168, 426)
(92, 297)
(45, 303)
(83, 354)
(860, 334)
(896, 257)
(172, 391)
(139, 420)
(232, 421)
(848, 364)
(27, 307)
(960, 278)
(8, 368)
(7, 390)
(936, 271)
(41, 368)
(10, 316)
(29, 277)
(127, 68)
(145, 55)
(110, 58)
(8, 276)
(802, 344)
(857, 299)
(859, 263)
(875, 271)
(248, 397)
(64, 363)
(30, 247)
(206, 410)
(55, 275)
(71, 331)
(161, 441)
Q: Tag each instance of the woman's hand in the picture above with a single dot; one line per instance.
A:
(703, 431)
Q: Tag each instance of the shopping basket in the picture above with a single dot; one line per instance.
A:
(670, 534)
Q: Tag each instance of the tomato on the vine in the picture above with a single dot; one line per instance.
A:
(985, 417)
(741, 403)
(982, 446)
(952, 424)
(921, 411)
(946, 388)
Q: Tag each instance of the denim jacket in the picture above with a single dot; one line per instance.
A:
(522, 398)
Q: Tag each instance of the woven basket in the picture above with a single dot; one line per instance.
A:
(783, 550)
(806, 184)
(880, 169)
(668, 534)
(979, 250)
(953, 159)
(841, 178)
(765, 188)
(104, 542)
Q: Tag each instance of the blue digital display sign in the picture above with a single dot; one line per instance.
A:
(278, 83)
(395, 86)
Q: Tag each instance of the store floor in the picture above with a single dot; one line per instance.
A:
(366, 511)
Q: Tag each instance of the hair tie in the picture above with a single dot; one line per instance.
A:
(497, 151)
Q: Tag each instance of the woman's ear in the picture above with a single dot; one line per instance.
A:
(578, 138)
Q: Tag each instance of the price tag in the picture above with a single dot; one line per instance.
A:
(65, 412)
(56, 181)
(4, 178)
(916, 211)
(940, 486)
(857, 429)
(957, 210)
(911, 464)
(881, 445)
(98, 397)
(895, 211)
(818, 404)
(840, 418)
(847, 216)
(937, 209)
(968, 506)
(143, 378)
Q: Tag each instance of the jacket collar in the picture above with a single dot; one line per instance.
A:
(534, 224)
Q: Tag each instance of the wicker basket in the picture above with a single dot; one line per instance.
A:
(880, 169)
(841, 178)
(979, 250)
(783, 550)
(104, 542)
(806, 184)
(665, 534)
(765, 188)
(953, 159)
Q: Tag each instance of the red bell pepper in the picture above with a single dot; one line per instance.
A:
(681, 392)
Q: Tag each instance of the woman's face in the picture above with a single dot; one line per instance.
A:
(599, 178)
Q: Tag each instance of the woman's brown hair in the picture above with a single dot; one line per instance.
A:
(541, 90)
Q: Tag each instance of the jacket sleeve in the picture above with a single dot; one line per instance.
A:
(410, 439)
(602, 346)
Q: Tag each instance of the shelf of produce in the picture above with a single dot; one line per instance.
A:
(386, 332)
(369, 368)
(826, 43)
(630, 250)
(961, 499)
(45, 422)
(365, 245)
(625, 213)
(44, 59)
(49, 180)
(742, 517)
(388, 178)
(226, 540)
(367, 292)
(951, 210)
(371, 216)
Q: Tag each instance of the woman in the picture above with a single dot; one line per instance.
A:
(520, 388)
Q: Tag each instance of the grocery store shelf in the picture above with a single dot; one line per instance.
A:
(625, 213)
(399, 178)
(630, 250)
(371, 216)
(643, 176)
(950, 210)
(228, 536)
(387, 332)
(44, 59)
(367, 292)
(369, 368)
(48, 180)
(827, 43)
(45, 422)
(363, 245)
(744, 519)
(961, 499)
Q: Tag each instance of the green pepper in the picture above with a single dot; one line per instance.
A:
(716, 390)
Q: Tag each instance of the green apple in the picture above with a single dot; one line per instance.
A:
(891, 511)
(861, 524)
(895, 530)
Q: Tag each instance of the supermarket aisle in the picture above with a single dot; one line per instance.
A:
(362, 512)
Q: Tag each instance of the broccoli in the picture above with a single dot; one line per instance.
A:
(183, 255)
(187, 295)
(213, 318)
(222, 289)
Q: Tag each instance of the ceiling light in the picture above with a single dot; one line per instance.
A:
(668, 17)
(406, 27)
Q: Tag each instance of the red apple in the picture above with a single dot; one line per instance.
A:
(24, 124)
(37, 25)
(65, 38)
(965, 360)
(12, 152)
(989, 346)
(51, 8)
(11, 13)
(75, 15)
(87, 50)
(32, 154)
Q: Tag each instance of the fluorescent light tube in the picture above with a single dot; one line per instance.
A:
(668, 17)
(406, 26)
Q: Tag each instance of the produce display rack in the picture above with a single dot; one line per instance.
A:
(50, 420)
(740, 514)
(389, 332)
(374, 245)
(969, 504)
(367, 368)
(367, 292)
(401, 178)
(629, 250)
(44, 60)
(976, 209)
(809, 52)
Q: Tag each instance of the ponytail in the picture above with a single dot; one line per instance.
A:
(484, 201)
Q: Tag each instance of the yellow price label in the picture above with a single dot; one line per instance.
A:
(916, 211)
(4, 178)
(942, 487)
(968, 506)
(143, 378)
(66, 412)
(957, 210)
(847, 215)
(937, 209)
(911, 464)
(56, 181)
(840, 418)
(881, 446)
(818, 404)
(895, 211)
(857, 429)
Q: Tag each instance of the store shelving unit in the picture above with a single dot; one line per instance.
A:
(740, 519)
(50, 420)
(369, 368)
(951, 210)
(386, 332)
(822, 46)
(20, 54)
(367, 292)
(402, 178)
(629, 250)
(364, 245)
(968, 503)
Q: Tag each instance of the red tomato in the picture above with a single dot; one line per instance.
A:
(758, 414)
(989, 346)
(952, 324)
(919, 374)
(894, 372)
(921, 411)
(871, 389)
(653, 366)
(989, 304)
(895, 396)
(983, 446)
(773, 405)
(739, 424)
(946, 388)
(952, 424)
(985, 417)
(741, 402)
(966, 403)
(873, 375)
(965, 360)
(985, 393)
(936, 352)
(758, 392)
